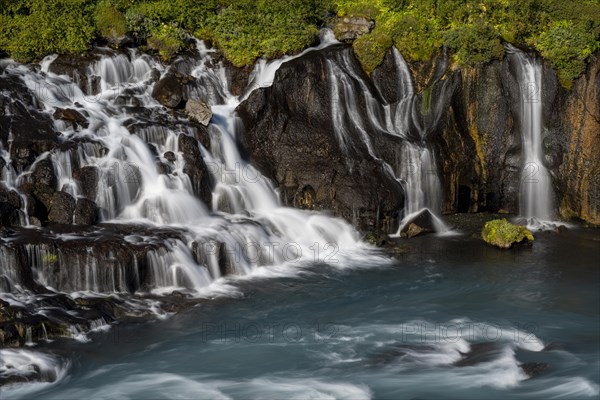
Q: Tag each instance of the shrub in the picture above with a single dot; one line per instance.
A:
(32, 29)
(474, 43)
(110, 23)
(167, 39)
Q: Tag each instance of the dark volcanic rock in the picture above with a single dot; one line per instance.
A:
(195, 168)
(88, 178)
(61, 208)
(86, 212)
(420, 224)
(71, 115)
(290, 138)
(169, 90)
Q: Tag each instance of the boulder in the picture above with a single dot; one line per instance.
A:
(420, 224)
(168, 91)
(198, 111)
(88, 178)
(71, 115)
(9, 215)
(503, 234)
(195, 168)
(351, 27)
(86, 212)
(61, 208)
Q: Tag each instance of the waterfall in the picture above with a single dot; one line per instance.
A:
(536, 202)
(416, 168)
(128, 134)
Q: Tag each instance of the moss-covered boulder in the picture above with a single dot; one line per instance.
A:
(503, 234)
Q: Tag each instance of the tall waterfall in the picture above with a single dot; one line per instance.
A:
(245, 217)
(536, 202)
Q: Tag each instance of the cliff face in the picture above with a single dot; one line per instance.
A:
(469, 117)
(579, 173)
(480, 144)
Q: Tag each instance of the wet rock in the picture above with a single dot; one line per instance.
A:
(71, 115)
(61, 208)
(86, 212)
(199, 111)
(351, 27)
(168, 91)
(480, 353)
(420, 224)
(535, 369)
(195, 168)
(88, 178)
(9, 215)
(170, 156)
(290, 132)
(43, 179)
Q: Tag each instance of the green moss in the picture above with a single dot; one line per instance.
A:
(50, 258)
(110, 23)
(370, 49)
(167, 39)
(426, 100)
(503, 234)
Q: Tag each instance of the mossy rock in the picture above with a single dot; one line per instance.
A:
(503, 234)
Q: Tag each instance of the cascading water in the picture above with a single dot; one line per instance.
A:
(245, 212)
(536, 195)
(416, 167)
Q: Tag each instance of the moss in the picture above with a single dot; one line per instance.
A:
(167, 39)
(370, 49)
(426, 100)
(110, 23)
(503, 234)
(50, 258)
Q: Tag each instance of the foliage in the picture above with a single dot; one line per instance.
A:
(565, 32)
(503, 234)
(110, 22)
(31, 28)
(167, 39)
(567, 46)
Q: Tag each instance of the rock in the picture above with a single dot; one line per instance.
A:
(61, 208)
(170, 156)
(168, 91)
(420, 224)
(9, 215)
(290, 132)
(43, 179)
(86, 212)
(534, 369)
(71, 115)
(199, 111)
(503, 234)
(351, 27)
(88, 178)
(195, 168)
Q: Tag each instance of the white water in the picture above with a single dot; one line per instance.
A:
(132, 191)
(536, 203)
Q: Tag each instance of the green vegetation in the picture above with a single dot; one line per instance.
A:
(503, 234)
(566, 32)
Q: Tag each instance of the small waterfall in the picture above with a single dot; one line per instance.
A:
(536, 203)
(416, 168)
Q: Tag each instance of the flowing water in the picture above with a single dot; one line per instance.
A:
(311, 311)
(452, 320)
(537, 195)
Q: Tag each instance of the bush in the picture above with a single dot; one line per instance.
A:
(110, 23)
(474, 43)
(167, 39)
(32, 29)
(567, 46)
